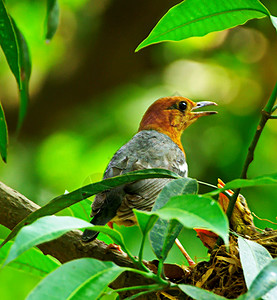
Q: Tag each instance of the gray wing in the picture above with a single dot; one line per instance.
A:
(147, 149)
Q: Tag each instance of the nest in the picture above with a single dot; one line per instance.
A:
(268, 239)
(222, 274)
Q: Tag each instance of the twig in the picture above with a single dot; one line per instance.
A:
(266, 115)
(261, 219)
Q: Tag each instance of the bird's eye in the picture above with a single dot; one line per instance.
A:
(182, 106)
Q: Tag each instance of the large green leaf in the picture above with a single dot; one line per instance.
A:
(66, 200)
(33, 261)
(195, 211)
(26, 68)
(253, 257)
(198, 293)
(3, 135)
(81, 210)
(84, 278)
(181, 186)
(52, 18)
(51, 227)
(240, 183)
(265, 283)
(163, 234)
(199, 17)
(8, 42)
(162, 246)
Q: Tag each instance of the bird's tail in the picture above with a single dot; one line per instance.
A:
(89, 235)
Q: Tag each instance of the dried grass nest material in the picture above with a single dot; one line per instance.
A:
(222, 274)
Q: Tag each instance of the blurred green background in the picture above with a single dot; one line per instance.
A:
(89, 91)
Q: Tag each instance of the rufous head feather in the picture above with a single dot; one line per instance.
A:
(172, 115)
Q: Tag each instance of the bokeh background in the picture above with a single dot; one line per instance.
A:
(89, 90)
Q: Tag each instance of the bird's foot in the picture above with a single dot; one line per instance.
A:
(115, 247)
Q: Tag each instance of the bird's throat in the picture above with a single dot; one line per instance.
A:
(170, 131)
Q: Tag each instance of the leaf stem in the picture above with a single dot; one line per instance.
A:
(141, 249)
(266, 115)
(160, 271)
(138, 263)
(138, 287)
(150, 275)
(207, 184)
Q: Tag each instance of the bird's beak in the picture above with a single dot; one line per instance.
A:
(203, 113)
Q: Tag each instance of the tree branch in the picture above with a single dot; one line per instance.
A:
(266, 115)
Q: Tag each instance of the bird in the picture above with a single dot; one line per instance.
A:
(241, 220)
(157, 144)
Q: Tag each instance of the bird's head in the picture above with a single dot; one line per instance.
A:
(172, 115)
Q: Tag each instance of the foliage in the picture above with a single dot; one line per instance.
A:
(50, 227)
(162, 236)
(68, 199)
(17, 55)
(78, 287)
(178, 204)
(52, 18)
(197, 18)
(32, 261)
(256, 262)
(3, 134)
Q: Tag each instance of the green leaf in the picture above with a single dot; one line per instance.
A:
(84, 278)
(265, 283)
(81, 210)
(33, 261)
(145, 221)
(3, 135)
(181, 186)
(8, 42)
(163, 234)
(52, 18)
(199, 17)
(198, 293)
(41, 231)
(26, 68)
(240, 183)
(51, 227)
(66, 200)
(196, 211)
(253, 257)
(274, 21)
